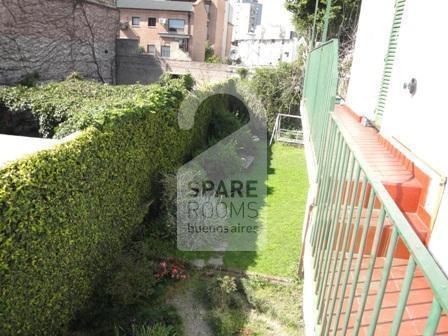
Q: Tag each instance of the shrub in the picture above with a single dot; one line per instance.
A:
(210, 54)
(74, 76)
(279, 89)
(225, 304)
(66, 213)
(224, 122)
(30, 79)
(242, 72)
(157, 329)
(221, 290)
(187, 80)
(226, 322)
(73, 105)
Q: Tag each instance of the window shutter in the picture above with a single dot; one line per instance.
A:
(389, 61)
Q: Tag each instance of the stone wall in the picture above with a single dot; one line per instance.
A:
(55, 38)
(133, 67)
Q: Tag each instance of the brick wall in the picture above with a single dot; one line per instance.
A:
(133, 67)
(195, 26)
(55, 38)
(199, 31)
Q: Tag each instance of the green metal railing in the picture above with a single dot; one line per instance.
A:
(351, 200)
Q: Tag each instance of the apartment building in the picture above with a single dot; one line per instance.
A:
(176, 29)
(260, 38)
(247, 17)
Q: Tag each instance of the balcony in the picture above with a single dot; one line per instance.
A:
(370, 270)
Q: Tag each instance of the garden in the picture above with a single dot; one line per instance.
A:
(87, 242)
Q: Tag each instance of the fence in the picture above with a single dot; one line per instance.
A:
(351, 200)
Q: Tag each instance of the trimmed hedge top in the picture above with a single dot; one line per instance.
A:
(65, 213)
(65, 107)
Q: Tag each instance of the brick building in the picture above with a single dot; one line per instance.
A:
(177, 29)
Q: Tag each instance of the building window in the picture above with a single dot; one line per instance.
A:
(176, 25)
(151, 49)
(165, 51)
(183, 45)
(152, 22)
(135, 21)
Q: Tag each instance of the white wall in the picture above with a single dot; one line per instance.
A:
(420, 122)
(267, 52)
(241, 15)
(368, 60)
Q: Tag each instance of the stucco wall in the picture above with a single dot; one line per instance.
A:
(55, 38)
(419, 121)
(267, 52)
(414, 123)
(368, 58)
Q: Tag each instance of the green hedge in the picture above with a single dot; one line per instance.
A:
(65, 213)
(59, 109)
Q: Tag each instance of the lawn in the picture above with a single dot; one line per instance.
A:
(282, 215)
(284, 211)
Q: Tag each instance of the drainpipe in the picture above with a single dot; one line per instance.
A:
(189, 23)
(189, 32)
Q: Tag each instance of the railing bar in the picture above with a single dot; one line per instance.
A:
(328, 92)
(354, 191)
(326, 180)
(433, 319)
(334, 224)
(323, 189)
(350, 255)
(359, 261)
(383, 283)
(368, 277)
(429, 267)
(335, 253)
(326, 205)
(403, 299)
(328, 210)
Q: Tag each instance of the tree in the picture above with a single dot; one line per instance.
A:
(343, 18)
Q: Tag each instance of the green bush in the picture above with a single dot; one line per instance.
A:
(225, 322)
(279, 89)
(66, 213)
(30, 79)
(73, 105)
(242, 72)
(210, 56)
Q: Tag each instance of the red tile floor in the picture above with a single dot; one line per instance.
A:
(407, 186)
(417, 308)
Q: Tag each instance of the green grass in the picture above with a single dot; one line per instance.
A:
(282, 216)
(284, 211)
(253, 307)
